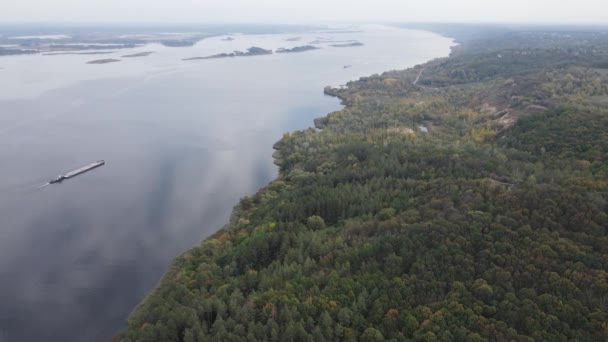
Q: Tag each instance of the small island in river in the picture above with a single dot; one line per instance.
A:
(353, 44)
(104, 61)
(178, 42)
(140, 54)
(298, 49)
(252, 51)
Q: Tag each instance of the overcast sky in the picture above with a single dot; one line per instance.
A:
(305, 11)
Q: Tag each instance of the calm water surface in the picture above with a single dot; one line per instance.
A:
(183, 141)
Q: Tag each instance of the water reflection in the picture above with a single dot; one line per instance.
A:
(182, 141)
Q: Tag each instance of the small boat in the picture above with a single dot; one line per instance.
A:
(57, 179)
(347, 66)
(77, 172)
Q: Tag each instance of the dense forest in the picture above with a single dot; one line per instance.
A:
(470, 205)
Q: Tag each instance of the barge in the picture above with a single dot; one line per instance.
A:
(77, 172)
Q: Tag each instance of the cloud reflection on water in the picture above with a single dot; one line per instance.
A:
(183, 142)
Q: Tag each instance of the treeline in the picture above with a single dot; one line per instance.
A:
(490, 226)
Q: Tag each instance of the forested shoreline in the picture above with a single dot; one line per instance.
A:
(490, 226)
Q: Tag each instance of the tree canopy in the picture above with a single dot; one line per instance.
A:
(469, 206)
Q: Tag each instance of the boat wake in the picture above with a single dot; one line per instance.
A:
(43, 185)
(17, 191)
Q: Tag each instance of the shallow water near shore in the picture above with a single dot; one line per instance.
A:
(182, 141)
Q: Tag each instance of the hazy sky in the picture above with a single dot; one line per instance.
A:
(305, 11)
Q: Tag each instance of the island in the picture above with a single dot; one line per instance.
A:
(353, 44)
(139, 54)
(298, 49)
(104, 61)
(228, 39)
(252, 51)
(178, 43)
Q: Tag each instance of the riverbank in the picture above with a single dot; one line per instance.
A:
(247, 203)
(372, 231)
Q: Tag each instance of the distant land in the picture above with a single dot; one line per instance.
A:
(93, 41)
(19, 39)
(9, 52)
(340, 31)
(84, 46)
(78, 53)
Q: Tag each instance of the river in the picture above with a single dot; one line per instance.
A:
(182, 141)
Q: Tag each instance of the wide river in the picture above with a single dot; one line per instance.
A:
(183, 141)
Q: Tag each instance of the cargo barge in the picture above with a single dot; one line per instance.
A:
(77, 172)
